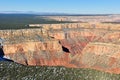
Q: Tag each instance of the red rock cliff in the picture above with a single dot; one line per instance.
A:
(79, 45)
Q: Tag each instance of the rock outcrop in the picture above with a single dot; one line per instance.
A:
(78, 45)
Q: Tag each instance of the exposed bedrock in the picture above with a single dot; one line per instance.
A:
(104, 56)
(38, 53)
(79, 45)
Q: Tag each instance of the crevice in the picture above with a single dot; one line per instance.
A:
(65, 49)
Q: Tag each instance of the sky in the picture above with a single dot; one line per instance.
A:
(63, 6)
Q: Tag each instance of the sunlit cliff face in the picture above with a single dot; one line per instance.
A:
(78, 45)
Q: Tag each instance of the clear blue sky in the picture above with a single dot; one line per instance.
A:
(63, 6)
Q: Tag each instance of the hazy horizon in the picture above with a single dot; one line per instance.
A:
(62, 6)
(52, 13)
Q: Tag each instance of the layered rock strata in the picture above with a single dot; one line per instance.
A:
(78, 45)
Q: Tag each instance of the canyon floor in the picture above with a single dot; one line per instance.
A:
(73, 41)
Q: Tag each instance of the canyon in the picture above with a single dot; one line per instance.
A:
(94, 45)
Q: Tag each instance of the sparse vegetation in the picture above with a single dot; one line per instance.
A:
(112, 22)
(20, 21)
(14, 71)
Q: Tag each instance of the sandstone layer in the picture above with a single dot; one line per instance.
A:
(78, 45)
